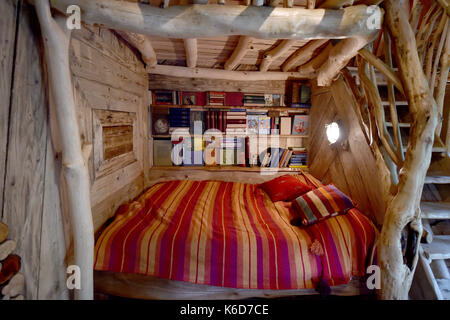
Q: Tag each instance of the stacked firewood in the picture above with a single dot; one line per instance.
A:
(11, 280)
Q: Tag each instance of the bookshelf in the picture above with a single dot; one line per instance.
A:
(253, 136)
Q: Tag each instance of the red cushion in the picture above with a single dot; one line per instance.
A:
(285, 188)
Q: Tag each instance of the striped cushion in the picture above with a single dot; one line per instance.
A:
(319, 204)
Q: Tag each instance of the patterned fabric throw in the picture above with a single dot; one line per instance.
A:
(319, 204)
(231, 234)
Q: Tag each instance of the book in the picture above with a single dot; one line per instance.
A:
(234, 99)
(162, 150)
(252, 124)
(285, 125)
(164, 97)
(264, 125)
(300, 125)
(268, 100)
(197, 122)
(305, 94)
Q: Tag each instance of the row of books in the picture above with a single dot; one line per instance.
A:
(215, 98)
(241, 121)
(196, 151)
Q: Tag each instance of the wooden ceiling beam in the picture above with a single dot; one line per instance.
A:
(195, 21)
(141, 43)
(190, 47)
(310, 68)
(276, 52)
(302, 55)
(339, 57)
(221, 74)
(239, 52)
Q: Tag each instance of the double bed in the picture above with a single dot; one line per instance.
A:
(186, 239)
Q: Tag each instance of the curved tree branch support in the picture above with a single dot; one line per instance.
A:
(56, 42)
(403, 213)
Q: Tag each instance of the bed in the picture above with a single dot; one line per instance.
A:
(188, 239)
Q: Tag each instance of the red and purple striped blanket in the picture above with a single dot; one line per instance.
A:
(231, 234)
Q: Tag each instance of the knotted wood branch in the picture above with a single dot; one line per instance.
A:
(404, 210)
(56, 43)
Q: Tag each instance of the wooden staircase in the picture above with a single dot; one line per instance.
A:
(434, 256)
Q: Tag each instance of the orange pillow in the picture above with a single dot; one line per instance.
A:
(285, 188)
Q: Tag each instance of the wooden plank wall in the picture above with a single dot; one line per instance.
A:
(352, 166)
(108, 76)
(29, 172)
(110, 79)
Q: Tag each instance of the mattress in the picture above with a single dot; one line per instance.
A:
(230, 234)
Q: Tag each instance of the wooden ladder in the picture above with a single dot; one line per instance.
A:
(435, 255)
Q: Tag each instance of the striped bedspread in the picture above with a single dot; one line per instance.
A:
(231, 234)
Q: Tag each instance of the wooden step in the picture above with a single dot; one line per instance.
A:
(444, 287)
(435, 210)
(437, 177)
(439, 248)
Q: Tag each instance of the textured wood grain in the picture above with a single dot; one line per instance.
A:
(111, 91)
(52, 268)
(146, 287)
(25, 169)
(180, 84)
(350, 162)
(8, 9)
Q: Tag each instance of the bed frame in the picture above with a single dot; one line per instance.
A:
(144, 287)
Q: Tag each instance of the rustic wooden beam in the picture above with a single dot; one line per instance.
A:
(195, 21)
(239, 52)
(56, 41)
(142, 44)
(339, 57)
(302, 55)
(403, 212)
(311, 68)
(273, 54)
(223, 74)
(382, 67)
(190, 47)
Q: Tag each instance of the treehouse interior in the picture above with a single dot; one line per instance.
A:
(179, 149)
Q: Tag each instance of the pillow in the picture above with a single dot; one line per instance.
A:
(319, 204)
(285, 188)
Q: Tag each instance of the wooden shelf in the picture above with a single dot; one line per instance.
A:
(288, 109)
(283, 136)
(228, 168)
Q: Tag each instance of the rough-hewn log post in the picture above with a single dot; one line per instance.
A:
(403, 213)
(76, 175)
